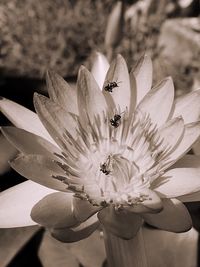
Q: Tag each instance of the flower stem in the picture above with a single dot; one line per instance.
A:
(125, 253)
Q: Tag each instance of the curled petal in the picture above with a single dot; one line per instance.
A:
(152, 204)
(40, 169)
(121, 223)
(99, 69)
(16, 203)
(29, 143)
(55, 210)
(120, 96)
(174, 217)
(21, 118)
(162, 97)
(178, 182)
(143, 74)
(188, 107)
(78, 233)
(61, 92)
(83, 209)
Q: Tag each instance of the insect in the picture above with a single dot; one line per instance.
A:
(116, 120)
(110, 86)
(103, 168)
(106, 167)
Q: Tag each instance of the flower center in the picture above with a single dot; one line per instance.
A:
(113, 165)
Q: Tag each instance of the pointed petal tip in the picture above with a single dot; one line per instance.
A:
(101, 59)
(166, 80)
(38, 98)
(48, 75)
(120, 58)
(82, 71)
(35, 95)
(82, 68)
(98, 54)
(51, 74)
(144, 60)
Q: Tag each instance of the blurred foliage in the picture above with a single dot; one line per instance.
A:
(61, 35)
(36, 35)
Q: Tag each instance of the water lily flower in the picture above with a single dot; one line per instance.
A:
(109, 155)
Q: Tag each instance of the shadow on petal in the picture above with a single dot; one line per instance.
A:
(84, 230)
(55, 210)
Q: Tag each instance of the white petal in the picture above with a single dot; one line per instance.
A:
(178, 182)
(16, 203)
(120, 96)
(61, 92)
(55, 211)
(23, 118)
(133, 93)
(191, 134)
(29, 143)
(143, 74)
(99, 69)
(56, 119)
(158, 102)
(188, 107)
(171, 132)
(174, 217)
(91, 101)
(39, 169)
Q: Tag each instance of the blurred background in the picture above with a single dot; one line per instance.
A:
(61, 35)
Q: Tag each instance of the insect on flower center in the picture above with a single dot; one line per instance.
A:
(106, 167)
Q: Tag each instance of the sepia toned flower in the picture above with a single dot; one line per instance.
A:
(114, 156)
